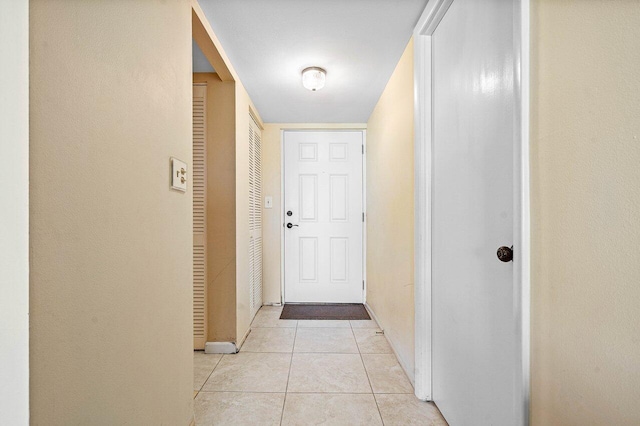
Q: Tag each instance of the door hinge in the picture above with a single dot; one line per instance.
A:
(363, 284)
(363, 216)
(362, 149)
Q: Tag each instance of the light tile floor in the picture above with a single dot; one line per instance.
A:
(308, 373)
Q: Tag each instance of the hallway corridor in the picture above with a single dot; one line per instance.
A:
(307, 372)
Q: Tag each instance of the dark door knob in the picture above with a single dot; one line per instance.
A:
(505, 254)
(290, 225)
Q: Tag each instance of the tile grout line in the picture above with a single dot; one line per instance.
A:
(209, 375)
(379, 412)
(367, 373)
(319, 353)
(292, 352)
(299, 325)
(286, 390)
(307, 392)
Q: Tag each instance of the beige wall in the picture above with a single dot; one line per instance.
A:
(111, 273)
(228, 105)
(271, 181)
(586, 212)
(390, 227)
(228, 216)
(233, 312)
(389, 167)
(221, 207)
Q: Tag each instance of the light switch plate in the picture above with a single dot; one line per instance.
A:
(178, 175)
(268, 202)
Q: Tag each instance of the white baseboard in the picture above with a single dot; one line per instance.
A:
(220, 348)
(401, 361)
(225, 347)
(373, 316)
(246, 334)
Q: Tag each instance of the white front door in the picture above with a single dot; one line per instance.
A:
(475, 325)
(323, 216)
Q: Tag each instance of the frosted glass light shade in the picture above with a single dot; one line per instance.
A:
(313, 78)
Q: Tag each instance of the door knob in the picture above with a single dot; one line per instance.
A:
(505, 254)
(290, 225)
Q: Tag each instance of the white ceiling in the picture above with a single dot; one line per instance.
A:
(200, 62)
(270, 42)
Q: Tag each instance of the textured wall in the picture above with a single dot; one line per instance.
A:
(111, 244)
(390, 280)
(585, 187)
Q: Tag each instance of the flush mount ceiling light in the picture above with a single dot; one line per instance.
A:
(313, 78)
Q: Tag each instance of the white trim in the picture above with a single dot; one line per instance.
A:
(14, 215)
(431, 17)
(254, 117)
(410, 374)
(364, 201)
(240, 342)
(220, 348)
(427, 24)
(226, 347)
(522, 204)
(374, 317)
(365, 219)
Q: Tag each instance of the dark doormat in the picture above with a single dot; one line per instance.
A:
(352, 311)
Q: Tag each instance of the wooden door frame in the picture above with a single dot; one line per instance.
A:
(364, 202)
(433, 14)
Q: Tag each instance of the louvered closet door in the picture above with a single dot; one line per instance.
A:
(255, 217)
(199, 216)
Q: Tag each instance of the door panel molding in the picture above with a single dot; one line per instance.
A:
(431, 17)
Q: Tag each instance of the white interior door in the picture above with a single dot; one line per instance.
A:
(475, 328)
(323, 216)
